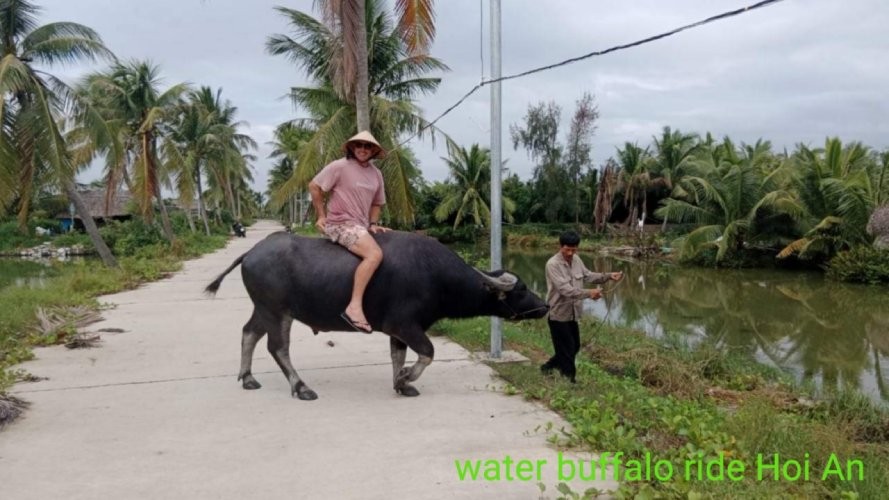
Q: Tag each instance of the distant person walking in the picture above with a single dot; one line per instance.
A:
(357, 196)
(565, 276)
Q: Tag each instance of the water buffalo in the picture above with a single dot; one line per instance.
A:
(419, 282)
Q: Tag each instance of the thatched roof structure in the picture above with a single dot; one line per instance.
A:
(100, 206)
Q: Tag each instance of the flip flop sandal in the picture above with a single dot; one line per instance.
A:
(355, 324)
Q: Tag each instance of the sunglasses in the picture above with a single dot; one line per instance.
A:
(363, 145)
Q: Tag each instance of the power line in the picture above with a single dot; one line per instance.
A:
(718, 17)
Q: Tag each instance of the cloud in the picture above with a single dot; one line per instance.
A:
(798, 71)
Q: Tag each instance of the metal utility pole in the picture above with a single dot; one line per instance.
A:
(496, 207)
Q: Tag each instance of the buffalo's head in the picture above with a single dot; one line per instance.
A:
(514, 300)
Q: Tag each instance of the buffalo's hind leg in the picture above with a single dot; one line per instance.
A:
(417, 340)
(398, 352)
(279, 347)
(251, 334)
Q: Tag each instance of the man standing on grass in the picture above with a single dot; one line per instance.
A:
(565, 276)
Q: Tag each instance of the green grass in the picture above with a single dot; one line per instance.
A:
(636, 395)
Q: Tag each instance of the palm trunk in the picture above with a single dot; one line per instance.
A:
(25, 152)
(879, 190)
(149, 149)
(230, 195)
(27, 187)
(165, 217)
(362, 102)
(128, 181)
(190, 219)
(201, 209)
(90, 225)
(576, 205)
(644, 210)
(301, 212)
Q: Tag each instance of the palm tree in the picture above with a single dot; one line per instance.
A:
(730, 204)
(232, 167)
(289, 140)
(204, 138)
(33, 102)
(240, 179)
(673, 153)
(468, 196)
(128, 97)
(395, 79)
(349, 70)
(634, 179)
(834, 186)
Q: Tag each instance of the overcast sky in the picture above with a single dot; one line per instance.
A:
(797, 71)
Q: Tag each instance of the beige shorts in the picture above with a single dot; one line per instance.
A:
(345, 234)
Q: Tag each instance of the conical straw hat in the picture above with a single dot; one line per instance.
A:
(365, 136)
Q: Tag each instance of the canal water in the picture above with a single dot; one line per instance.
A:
(21, 272)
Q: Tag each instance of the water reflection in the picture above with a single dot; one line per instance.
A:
(834, 335)
(24, 272)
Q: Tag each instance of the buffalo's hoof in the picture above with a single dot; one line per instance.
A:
(307, 395)
(303, 392)
(250, 384)
(408, 391)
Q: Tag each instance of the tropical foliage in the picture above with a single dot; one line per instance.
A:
(396, 78)
(467, 196)
(34, 155)
(204, 139)
(835, 186)
(134, 108)
(729, 204)
(150, 139)
(562, 173)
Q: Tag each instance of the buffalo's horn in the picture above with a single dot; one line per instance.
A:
(504, 283)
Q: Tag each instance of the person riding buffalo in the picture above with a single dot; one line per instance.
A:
(352, 215)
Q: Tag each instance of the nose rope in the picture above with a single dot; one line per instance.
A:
(517, 314)
(604, 319)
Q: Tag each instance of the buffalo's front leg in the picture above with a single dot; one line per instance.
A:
(419, 343)
(279, 347)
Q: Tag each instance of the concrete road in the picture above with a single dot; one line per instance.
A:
(156, 411)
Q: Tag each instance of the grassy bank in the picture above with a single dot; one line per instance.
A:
(640, 396)
(143, 256)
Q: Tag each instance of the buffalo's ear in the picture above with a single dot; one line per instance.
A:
(490, 288)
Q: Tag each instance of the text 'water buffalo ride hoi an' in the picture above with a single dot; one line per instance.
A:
(420, 281)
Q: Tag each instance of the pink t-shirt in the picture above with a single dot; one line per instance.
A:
(354, 189)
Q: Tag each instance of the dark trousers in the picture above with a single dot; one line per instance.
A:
(566, 343)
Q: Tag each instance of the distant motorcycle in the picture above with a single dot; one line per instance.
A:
(239, 230)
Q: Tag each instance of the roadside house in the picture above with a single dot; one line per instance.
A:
(102, 209)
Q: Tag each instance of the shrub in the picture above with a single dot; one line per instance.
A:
(862, 264)
(126, 238)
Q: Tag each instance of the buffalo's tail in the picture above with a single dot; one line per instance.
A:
(213, 287)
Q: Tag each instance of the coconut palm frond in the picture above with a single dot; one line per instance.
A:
(11, 408)
(696, 240)
(794, 247)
